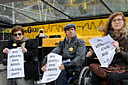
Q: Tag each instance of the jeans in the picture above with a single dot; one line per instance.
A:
(62, 79)
(115, 78)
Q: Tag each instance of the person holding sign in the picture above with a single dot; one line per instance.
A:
(116, 28)
(72, 50)
(28, 50)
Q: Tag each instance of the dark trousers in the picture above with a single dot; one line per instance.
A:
(112, 79)
(63, 77)
(96, 80)
(115, 78)
(61, 80)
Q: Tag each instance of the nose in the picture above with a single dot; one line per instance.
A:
(116, 21)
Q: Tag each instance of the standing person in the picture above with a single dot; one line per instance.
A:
(70, 48)
(116, 28)
(40, 36)
(19, 40)
(39, 39)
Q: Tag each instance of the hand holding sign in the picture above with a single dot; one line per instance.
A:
(15, 66)
(52, 68)
(104, 49)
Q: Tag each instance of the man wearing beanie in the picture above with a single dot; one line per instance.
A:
(72, 49)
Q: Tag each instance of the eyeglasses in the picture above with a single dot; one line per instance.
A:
(17, 34)
(119, 20)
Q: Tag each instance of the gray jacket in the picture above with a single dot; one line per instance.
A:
(73, 50)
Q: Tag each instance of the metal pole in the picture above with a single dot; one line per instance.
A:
(13, 13)
(40, 11)
(30, 11)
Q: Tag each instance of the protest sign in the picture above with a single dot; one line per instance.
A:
(15, 64)
(104, 49)
(52, 68)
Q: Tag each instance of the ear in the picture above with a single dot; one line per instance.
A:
(65, 31)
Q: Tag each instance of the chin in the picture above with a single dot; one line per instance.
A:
(18, 39)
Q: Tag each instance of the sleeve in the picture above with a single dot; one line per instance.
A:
(80, 56)
(123, 53)
(31, 50)
(58, 49)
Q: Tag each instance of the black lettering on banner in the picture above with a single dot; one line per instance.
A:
(13, 74)
(52, 56)
(50, 65)
(14, 64)
(59, 27)
(13, 60)
(29, 29)
(36, 29)
(54, 60)
(104, 48)
(106, 60)
(105, 53)
(15, 69)
(15, 51)
(51, 75)
(99, 40)
(53, 26)
(52, 69)
(102, 44)
(49, 79)
(14, 56)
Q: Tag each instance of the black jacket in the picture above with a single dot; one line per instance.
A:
(29, 65)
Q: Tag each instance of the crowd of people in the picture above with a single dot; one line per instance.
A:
(75, 49)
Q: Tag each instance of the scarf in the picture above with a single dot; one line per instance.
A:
(120, 34)
(20, 41)
(121, 37)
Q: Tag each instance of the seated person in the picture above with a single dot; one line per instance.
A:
(116, 28)
(71, 48)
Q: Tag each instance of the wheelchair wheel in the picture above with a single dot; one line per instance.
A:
(85, 76)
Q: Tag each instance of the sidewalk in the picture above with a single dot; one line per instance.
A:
(5, 81)
(3, 75)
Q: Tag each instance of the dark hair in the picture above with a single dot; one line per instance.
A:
(41, 31)
(17, 28)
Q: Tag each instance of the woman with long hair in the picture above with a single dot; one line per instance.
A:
(117, 29)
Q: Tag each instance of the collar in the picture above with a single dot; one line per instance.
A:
(21, 41)
(72, 40)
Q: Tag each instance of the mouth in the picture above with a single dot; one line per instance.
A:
(117, 25)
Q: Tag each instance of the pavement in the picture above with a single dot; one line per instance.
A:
(5, 81)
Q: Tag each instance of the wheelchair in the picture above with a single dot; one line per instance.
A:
(73, 78)
(86, 74)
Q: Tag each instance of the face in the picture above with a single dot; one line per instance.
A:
(18, 35)
(117, 23)
(70, 32)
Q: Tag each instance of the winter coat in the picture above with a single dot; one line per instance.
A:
(73, 50)
(121, 56)
(31, 71)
